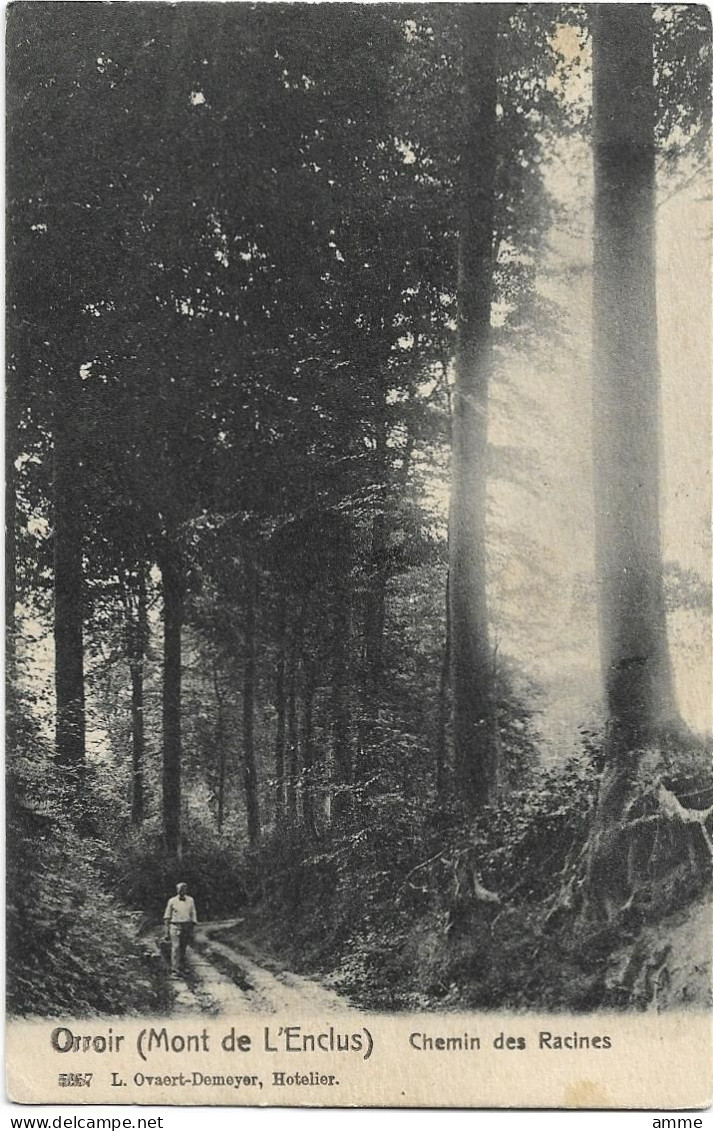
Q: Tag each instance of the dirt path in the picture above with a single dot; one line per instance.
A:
(224, 980)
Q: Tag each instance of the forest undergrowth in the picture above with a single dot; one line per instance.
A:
(403, 907)
(74, 946)
(491, 914)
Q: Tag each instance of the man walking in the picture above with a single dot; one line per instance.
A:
(180, 919)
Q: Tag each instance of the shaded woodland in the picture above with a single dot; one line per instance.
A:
(268, 266)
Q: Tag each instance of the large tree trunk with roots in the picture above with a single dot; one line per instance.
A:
(632, 622)
(475, 748)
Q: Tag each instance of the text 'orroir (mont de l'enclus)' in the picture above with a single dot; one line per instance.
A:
(273, 1039)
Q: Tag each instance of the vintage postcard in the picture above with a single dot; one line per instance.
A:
(358, 594)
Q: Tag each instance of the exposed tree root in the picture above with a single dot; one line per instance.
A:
(642, 834)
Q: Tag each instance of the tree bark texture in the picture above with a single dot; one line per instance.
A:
(475, 750)
(68, 582)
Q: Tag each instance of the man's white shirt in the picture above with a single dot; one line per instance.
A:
(181, 910)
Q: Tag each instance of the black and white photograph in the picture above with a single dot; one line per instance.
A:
(358, 548)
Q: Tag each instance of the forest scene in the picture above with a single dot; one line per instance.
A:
(358, 505)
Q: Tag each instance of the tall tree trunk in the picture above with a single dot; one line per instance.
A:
(371, 676)
(342, 754)
(220, 744)
(139, 632)
(249, 763)
(173, 595)
(137, 743)
(444, 682)
(633, 643)
(376, 594)
(443, 686)
(68, 582)
(308, 753)
(625, 379)
(475, 750)
(281, 709)
(292, 732)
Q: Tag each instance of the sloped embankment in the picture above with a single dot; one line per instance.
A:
(668, 965)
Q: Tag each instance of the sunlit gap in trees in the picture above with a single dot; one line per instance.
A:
(541, 521)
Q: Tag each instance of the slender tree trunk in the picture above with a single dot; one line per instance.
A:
(371, 676)
(281, 709)
(308, 754)
(627, 435)
(341, 723)
(443, 686)
(376, 594)
(377, 602)
(68, 583)
(342, 753)
(221, 787)
(292, 734)
(444, 683)
(249, 763)
(173, 594)
(137, 743)
(136, 667)
(220, 744)
(475, 750)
